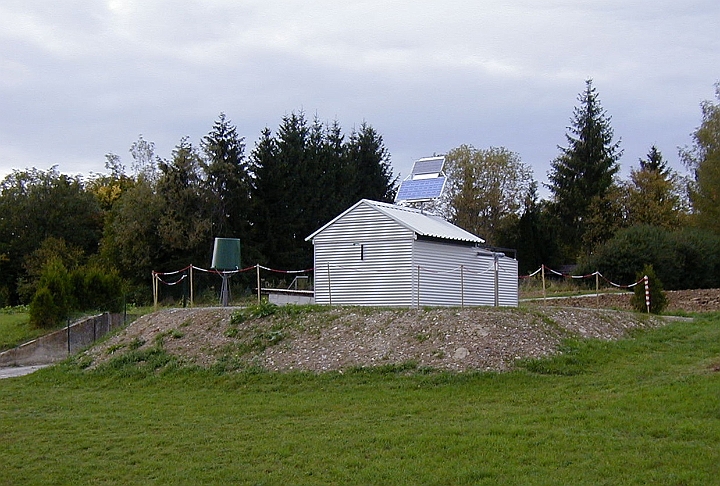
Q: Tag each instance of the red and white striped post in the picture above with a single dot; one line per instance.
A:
(647, 293)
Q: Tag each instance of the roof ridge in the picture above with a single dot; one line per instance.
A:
(394, 206)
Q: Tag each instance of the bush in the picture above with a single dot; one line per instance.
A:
(658, 299)
(684, 259)
(98, 289)
(60, 292)
(53, 300)
(44, 312)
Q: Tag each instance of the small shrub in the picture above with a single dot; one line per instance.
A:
(658, 298)
(52, 301)
(115, 347)
(422, 337)
(44, 312)
(140, 362)
(175, 334)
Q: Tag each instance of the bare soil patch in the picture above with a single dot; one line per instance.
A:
(700, 300)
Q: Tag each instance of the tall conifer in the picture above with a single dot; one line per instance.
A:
(584, 171)
(227, 179)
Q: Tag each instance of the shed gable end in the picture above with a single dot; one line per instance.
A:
(363, 222)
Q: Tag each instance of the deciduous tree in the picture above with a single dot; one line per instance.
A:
(703, 158)
(130, 237)
(36, 205)
(484, 187)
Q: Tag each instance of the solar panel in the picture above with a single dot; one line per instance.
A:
(430, 165)
(420, 189)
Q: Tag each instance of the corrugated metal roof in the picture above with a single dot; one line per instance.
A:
(413, 219)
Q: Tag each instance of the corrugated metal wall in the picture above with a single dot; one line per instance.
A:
(364, 258)
(367, 258)
(508, 290)
(456, 275)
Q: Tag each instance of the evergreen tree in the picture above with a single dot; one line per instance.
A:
(329, 172)
(279, 195)
(654, 162)
(304, 177)
(605, 216)
(703, 158)
(184, 226)
(227, 179)
(658, 298)
(535, 237)
(654, 194)
(584, 171)
(370, 161)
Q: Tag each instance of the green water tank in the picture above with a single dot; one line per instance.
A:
(226, 254)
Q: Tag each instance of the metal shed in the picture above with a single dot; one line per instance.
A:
(380, 254)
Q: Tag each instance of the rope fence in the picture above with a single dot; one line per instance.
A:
(543, 269)
(187, 273)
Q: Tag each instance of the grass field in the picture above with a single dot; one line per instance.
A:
(644, 410)
(15, 328)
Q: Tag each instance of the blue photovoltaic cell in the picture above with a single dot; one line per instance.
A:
(420, 189)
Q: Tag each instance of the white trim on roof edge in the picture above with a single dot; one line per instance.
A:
(438, 227)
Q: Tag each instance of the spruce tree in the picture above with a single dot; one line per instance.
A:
(304, 176)
(280, 194)
(584, 171)
(184, 226)
(370, 162)
(654, 162)
(654, 194)
(227, 179)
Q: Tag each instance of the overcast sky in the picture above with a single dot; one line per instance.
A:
(82, 78)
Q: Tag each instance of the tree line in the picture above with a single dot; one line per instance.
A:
(593, 219)
(163, 213)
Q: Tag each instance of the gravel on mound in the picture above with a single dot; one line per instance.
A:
(344, 337)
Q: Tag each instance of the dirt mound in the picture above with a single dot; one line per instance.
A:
(341, 338)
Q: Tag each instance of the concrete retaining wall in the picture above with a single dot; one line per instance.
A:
(61, 344)
(284, 297)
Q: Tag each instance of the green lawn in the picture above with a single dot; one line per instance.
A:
(15, 328)
(644, 410)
